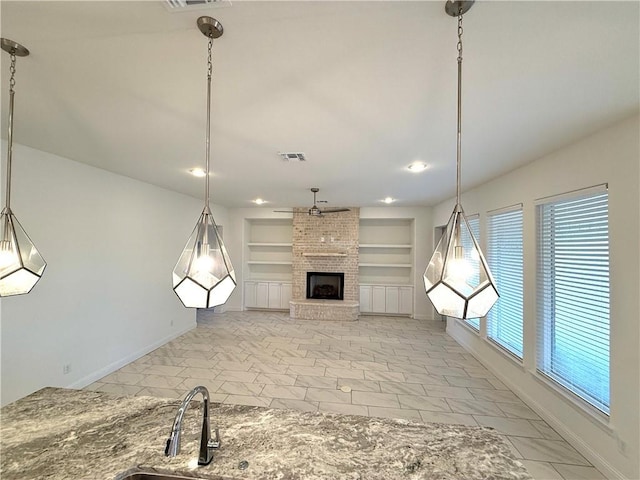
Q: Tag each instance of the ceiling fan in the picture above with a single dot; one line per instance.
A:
(315, 211)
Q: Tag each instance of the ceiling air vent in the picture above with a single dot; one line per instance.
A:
(293, 157)
(182, 5)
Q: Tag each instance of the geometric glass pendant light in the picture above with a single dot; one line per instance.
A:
(204, 276)
(457, 278)
(21, 265)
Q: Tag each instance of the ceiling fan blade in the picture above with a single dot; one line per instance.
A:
(336, 210)
(284, 211)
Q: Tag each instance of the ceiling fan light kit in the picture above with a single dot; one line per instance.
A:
(204, 276)
(314, 211)
(457, 279)
(21, 265)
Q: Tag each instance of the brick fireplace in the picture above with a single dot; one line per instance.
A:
(327, 244)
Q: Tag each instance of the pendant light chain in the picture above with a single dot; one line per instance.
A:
(12, 83)
(208, 142)
(12, 69)
(459, 133)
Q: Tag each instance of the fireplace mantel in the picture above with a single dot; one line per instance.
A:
(324, 254)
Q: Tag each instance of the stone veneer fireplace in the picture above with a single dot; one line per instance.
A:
(327, 244)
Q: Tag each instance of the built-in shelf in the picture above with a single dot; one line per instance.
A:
(324, 254)
(268, 258)
(381, 245)
(267, 262)
(269, 244)
(385, 265)
(386, 252)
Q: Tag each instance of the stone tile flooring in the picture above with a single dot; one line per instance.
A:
(378, 366)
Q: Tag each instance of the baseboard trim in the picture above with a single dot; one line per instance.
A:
(233, 309)
(112, 367)
(578, 443)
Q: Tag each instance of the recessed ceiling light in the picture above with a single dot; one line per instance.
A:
(417, 167)
(197, 172)
(259, 201)
(389, 200)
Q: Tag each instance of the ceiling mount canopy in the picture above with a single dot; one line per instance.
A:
(14, 48)
(210, 27)
(457, 279)
(203, 276)
(458, 7)
(21, 265)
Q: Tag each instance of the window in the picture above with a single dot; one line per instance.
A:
(504, 321)
(467, 245)
(573, 294)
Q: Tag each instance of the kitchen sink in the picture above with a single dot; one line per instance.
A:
(164, 476)
(156, 476)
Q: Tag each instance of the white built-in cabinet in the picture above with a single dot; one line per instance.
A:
(275, 295)
(386, 263)
(386, 299)
(267, 269)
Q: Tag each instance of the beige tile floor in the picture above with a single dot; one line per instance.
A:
(378, 366)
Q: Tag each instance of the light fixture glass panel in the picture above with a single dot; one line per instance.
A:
(203, 276)
(446, 301)
(480, 305)
(21, 265)
(222, 292)
(17, 283)
(191, 294)
(457, 279)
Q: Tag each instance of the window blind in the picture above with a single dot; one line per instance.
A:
(467, 244)
(504, 321)
(573, 295)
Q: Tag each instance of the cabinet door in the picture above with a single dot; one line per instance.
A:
(262, 295)
(365, 298)
(378, 299)
(275, 290)
(285, 295)
(406, 300)
(392, 299)
(250, 294)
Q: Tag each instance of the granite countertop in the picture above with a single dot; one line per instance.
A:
(72, 434)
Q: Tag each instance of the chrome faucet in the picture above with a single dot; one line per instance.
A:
(207, 444)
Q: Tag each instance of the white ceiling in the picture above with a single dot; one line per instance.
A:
(362, 88)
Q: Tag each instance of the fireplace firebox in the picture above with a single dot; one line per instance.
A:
(325, 285)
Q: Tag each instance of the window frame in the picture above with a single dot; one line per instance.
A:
(545, 310)
(518, 356)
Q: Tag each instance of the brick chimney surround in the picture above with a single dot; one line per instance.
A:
(325, 244)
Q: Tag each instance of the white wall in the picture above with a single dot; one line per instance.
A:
(610, 156)
(105, 298)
